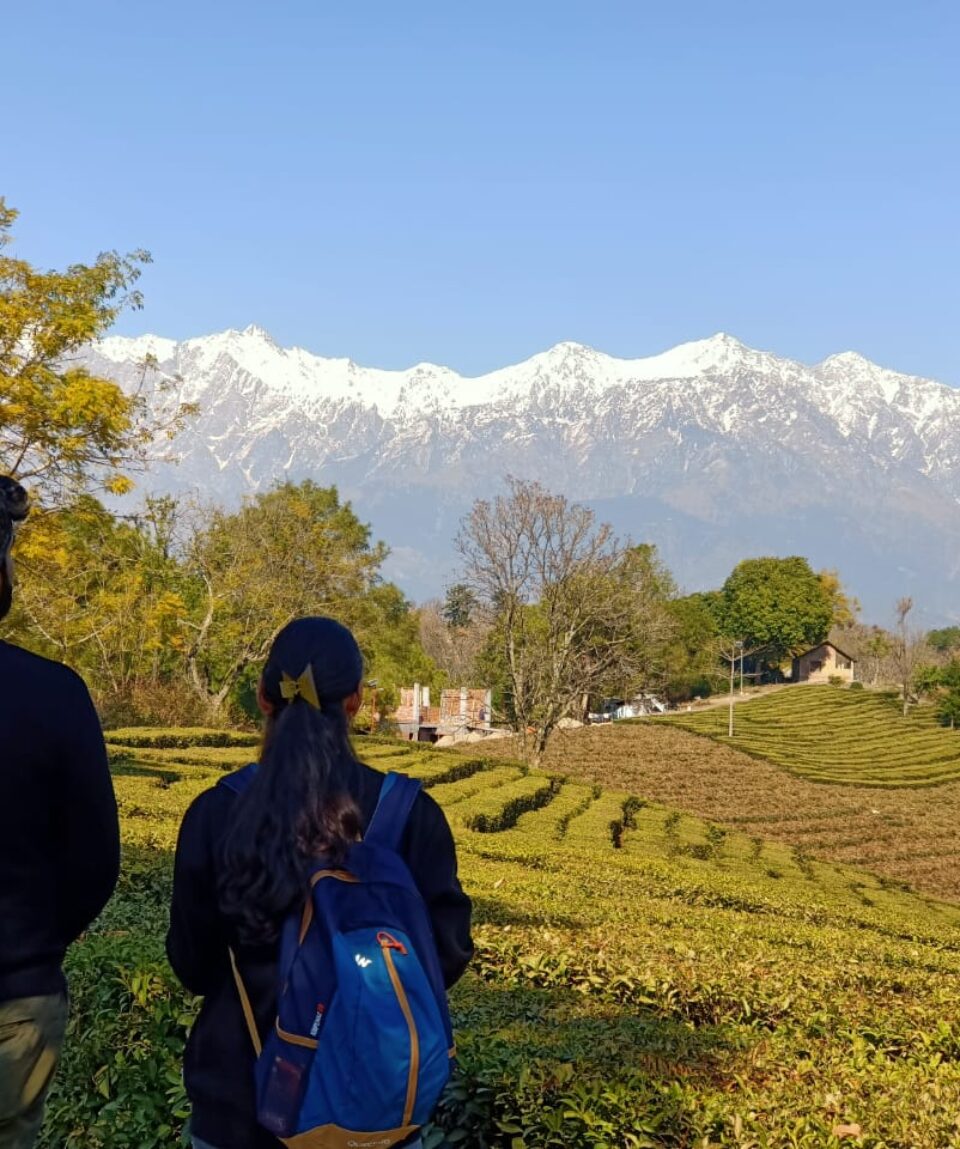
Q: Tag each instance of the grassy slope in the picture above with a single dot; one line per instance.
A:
(695, 987)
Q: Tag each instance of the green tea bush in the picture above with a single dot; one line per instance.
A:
(847, 737)
(452, 771)
(510, 805)
(179, 738)
(669, 994)
(580, 798)
(224, 758)
(119, 1084)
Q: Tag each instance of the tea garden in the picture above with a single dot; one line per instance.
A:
(644, 977)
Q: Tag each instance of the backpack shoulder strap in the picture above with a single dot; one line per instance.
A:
(239, 780)
(245, 1003)
(397, 796)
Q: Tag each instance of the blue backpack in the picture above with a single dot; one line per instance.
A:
(362, 1044)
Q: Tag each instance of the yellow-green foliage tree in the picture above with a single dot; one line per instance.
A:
(62, 429)
(291, 551)
(846, 608)
(103, 595)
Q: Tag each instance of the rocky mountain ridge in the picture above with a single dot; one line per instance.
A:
(712, 449)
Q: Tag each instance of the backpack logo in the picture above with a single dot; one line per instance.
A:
(363, 962)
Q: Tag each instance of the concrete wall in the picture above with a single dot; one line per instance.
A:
(465, 706)
(461, 706)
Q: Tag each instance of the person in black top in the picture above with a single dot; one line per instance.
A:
(242, 863)
(59, 851)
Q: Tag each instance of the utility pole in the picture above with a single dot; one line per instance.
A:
(731, 654)
(733, 663)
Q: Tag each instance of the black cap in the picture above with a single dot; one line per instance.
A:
(325, 646)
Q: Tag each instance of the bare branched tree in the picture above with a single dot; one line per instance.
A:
(565, 599)
(908, 651)
(454, 646)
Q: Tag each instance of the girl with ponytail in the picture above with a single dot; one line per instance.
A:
(242, 863)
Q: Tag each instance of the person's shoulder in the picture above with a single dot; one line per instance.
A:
(214, 800)
(23, 666)
(206, 816)
(428, 813)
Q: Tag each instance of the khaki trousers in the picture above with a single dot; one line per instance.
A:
(31, 1037)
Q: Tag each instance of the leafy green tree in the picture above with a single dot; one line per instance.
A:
(388, 630)
(948, 708)
(294, 550)
(927, 680)
(945, 640)
(692, 662)
(776, 606)
(459, 606)
(948, 711)
(62, 429)
(943, 682)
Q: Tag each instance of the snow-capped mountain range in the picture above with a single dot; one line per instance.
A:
(712, 450)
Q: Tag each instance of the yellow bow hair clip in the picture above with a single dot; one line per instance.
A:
(303, 687)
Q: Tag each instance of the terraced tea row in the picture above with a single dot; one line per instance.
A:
(644, 977)
(909, 835)
(839, 736)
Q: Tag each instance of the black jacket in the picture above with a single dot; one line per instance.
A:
(59, 838)
(218, 1066)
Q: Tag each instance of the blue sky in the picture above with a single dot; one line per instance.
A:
(471, 183)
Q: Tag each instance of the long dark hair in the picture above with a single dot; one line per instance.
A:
(300, 804)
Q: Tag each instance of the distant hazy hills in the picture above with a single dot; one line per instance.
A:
(712, 450)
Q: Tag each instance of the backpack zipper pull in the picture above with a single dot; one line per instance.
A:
(389, 942)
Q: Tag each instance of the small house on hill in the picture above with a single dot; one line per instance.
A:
(821, 663)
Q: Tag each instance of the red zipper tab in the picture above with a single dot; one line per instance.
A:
(389, 942)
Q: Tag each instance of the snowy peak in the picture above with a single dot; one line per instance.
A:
(711, 376)
(715, 448)
(721, 352)
(119, 349)
(254, 331)
(848, 360)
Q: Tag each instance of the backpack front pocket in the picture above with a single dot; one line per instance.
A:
(377, 1039)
